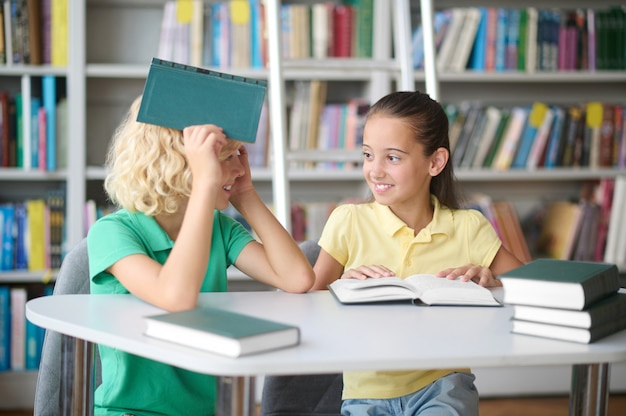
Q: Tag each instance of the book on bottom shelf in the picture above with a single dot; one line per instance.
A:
(560, 229)
(5, 328)
(17, 345)
(598, 313)
(569, 333)
(560, 283)
(420, 289)
(222, 332)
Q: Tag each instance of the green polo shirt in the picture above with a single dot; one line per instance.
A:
(135, 385)
(371, 233)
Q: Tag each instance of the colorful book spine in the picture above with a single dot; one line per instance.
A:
(41, 148)
(501, 35)
(522, 40)
(511, 138)
(256, 33)
(7, 216)
(18, 328)
(5, 329)
(477, 57)
(49, 97)
(37, 234)
(35, 105)
(59, 33)
(538, 149)
(21, 247)
(551, 158)
(533, 123)
(512, 39)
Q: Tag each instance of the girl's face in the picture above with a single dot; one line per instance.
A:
(394, 166)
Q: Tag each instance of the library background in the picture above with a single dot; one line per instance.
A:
(535, 95)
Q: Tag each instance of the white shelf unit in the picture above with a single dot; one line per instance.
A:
(111, 43)
(526, 189)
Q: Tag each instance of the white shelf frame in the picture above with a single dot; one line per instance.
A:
(380, 76)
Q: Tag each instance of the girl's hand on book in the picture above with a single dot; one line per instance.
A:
(481, 275)
(363, 272)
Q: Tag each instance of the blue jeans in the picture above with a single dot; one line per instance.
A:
(452, 395)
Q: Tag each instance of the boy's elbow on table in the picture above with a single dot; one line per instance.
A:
(299, 282)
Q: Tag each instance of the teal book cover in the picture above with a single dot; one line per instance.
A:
(557, 283)
(178, 96)
(220, 331)
(565, 271)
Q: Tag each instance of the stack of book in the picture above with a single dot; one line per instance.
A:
(567, 300)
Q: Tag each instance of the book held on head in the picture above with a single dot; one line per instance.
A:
(178, 96)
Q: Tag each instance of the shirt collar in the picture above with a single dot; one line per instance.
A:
(442, 222)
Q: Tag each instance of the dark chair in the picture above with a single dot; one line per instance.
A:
(303, 395)
(59, 352)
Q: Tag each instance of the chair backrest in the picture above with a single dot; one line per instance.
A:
(73, 278)
(303, 395)
(311, 250)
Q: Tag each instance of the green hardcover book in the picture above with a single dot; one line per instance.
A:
(497, 139)
(222, 332)
(605, 310)
(364, 26)
(569, 333)
(178, 96)
(560, 283)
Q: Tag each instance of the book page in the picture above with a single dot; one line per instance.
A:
(372, 290)
(433, 290)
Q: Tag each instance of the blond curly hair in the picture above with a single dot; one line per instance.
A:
(147, 168)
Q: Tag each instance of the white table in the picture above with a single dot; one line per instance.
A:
(338, 337)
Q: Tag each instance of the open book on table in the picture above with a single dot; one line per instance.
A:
(421, 289)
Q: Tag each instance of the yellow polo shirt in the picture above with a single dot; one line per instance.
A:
(370, 233)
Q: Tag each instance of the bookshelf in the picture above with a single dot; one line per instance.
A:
(525, 188)
(106, 70)
(514, 87)
(110, 46)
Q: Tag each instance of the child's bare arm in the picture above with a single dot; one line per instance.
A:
(277, 260)
(175, 285)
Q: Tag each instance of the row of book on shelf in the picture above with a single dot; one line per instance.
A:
(232, 34)
(34, 32)
(32, 233)
(20, 340)
(315, 124)
(565, 300)
(588, 228)
(540, 135)
(497, 39)
(33, 129)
